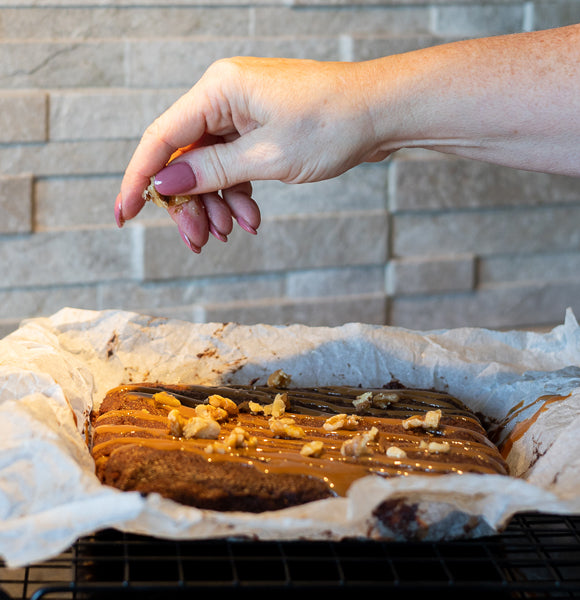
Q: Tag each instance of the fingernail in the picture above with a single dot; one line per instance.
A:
(245, 225)
(176, 178)
(216, 234)
(189, 244)
(119, 214)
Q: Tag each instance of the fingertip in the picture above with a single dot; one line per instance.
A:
(217, 234)
(119, 211)
(189, 243)
(192, 223)
(246, 226)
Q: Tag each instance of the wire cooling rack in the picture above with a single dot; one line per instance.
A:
(537, 556)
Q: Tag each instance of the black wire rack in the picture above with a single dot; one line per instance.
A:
(537, 556)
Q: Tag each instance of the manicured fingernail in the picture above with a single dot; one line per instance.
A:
(119, 214)
(245, 225)
(175, 178)
(189, 244)
(216, 234)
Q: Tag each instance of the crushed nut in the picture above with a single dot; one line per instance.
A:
(396, 452)
(363, 402)
(435, 447)
(151, 194)
(412, 422)
(176, 422)
(384, 399)
(341, 421)
(430, 421)
(239, 438)
(276, 409)
(358, 445)
(207, 411)
(286, 427)
(216, 447)
(255, 407)
(229, 406)
(279, 379)
(167, 399)
(200, 427)
(279, 405)
(314, 449)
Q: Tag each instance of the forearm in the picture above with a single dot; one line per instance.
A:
(512, 100)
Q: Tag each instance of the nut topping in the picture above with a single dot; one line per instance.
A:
(286, 427)
(276, 409)
(396, 452)
(314, 449)
(429, 421)
(225, 404)
(176, 422)
(384, 399)
(196, 427)
(201, 427)
(279, 379)
(341, 421)
(240, 438)
(207, 411)
(435, 447)
(358, 445)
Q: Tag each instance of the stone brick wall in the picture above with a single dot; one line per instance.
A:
(421, 241)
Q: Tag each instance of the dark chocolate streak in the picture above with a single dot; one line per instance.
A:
(315, 401)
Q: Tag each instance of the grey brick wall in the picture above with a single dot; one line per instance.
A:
(421, 241)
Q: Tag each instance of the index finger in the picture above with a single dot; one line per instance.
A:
(175, 128)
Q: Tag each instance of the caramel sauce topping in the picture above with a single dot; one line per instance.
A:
(120, 422)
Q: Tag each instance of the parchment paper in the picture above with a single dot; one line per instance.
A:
(53, 370)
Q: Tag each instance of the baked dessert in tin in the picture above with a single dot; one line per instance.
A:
(259, 448)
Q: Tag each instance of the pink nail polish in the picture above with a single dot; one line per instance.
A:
(119, 215)
(219, 236)
(246, 226)
(189, 244)
(176, 178)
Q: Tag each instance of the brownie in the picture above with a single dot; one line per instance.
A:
(258, 448)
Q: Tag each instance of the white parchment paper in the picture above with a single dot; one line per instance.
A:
(54, 370)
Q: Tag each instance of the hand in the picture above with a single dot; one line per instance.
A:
(250, 119)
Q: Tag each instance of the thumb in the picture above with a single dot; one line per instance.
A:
(220, 166)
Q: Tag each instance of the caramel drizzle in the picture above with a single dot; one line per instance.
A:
(280, 455)
(521, 428)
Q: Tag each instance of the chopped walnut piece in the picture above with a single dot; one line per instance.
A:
(358, 445)
(435, 447)
(276, 409)
(286, 427)
(363, 402)
(279, 379)
(314, 449)
(412, 422)
(200, 427)
(211, 412)
(255, 407)
(279, 405)
(167, 399)
(176, 422)
(384, 399)
(216, 448)
(225, 404)
(341, 421)
(396, 452)
(240, 438)
(430, 421)
(151, 194)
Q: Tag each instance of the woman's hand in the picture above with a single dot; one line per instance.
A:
(249, 119)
